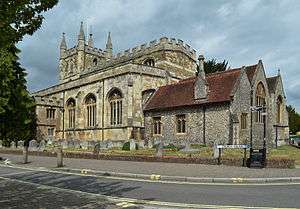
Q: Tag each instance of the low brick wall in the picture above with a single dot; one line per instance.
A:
(271, 163)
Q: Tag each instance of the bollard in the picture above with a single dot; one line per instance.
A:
(59, 157)
(25, 154)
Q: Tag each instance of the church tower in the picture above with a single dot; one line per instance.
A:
(84, 56)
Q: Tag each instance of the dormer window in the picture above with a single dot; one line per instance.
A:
(149, 62)
(95, 62)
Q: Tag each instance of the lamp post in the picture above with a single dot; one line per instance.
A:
(264, 114)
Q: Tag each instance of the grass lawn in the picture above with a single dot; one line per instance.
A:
(285, 151)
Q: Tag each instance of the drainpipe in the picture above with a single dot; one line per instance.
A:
(103, 110)
(63, 112)
(204, 122)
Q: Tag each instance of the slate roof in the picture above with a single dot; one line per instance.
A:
(272, 81)
(220, 86)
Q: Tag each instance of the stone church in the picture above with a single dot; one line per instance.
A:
(100, 95)
(217, 108)
(150, 92)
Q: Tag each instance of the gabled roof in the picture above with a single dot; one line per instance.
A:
(220, 86)
(272, 82)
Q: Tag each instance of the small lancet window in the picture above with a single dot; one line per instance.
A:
(95, 62)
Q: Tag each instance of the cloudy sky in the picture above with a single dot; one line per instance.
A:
(241, 32)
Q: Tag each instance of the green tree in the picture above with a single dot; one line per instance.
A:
(212, 66)
(17, 109)
(294, 119)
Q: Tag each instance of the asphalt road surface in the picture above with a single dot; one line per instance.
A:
(22, 188)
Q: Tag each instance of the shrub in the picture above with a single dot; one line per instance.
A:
(171, 147)
(197, 146)
(126, 146)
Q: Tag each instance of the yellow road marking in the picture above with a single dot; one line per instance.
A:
(137, 201)
(157, 181)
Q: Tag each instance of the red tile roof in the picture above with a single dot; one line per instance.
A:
(220, 86)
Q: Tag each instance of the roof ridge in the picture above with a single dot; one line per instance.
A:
(276, 76)
(231, 70)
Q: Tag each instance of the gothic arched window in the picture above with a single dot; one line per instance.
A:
(115, 101)
(71, 112)
(260, 101)
(279, 108)
(90, 102)
(149, 62)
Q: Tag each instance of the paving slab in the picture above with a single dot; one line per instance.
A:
(164, 169)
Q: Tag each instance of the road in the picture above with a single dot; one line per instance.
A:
(24, 188)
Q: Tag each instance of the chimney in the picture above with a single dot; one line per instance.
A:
(200, 88)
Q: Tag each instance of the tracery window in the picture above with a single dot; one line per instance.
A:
(244, 121)
(260, 101)
(180, 123)
(90, 103)
(115, 101)
(149, 62)
(71, 112)
(157, 125)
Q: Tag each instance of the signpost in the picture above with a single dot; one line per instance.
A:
(258, 157)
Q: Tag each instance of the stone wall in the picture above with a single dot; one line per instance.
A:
(130, 79)
(240, 105)
(215, 128)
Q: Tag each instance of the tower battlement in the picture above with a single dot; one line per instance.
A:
(48, 101)
(163, 43)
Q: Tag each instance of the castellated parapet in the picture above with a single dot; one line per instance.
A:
(48, 101)
(145, 50)
(163, 43)
(166, 53)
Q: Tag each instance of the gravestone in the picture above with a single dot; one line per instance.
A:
(97, 148)
(76, 143)
(42, 145)
(132, 145)
(64, 144)
(159, 150)
(109, 144)
(103, 144)
(70, 143)
(0, 143)
(49, 142)
(33, 145)
(13, 145)
(216, 151)
(150, 144)
(20, 144)
(141, 144)
(118, 144)
(84, 145)
(91, 144)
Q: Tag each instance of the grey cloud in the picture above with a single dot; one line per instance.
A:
(241, 32)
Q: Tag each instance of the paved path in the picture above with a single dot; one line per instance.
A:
(169, 169)
(73, 191)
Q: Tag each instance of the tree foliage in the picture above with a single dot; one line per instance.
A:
(294, 119)
(21, 17)
(17, 109)
(212, 66)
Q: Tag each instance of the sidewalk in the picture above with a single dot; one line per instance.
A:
(164, 169)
